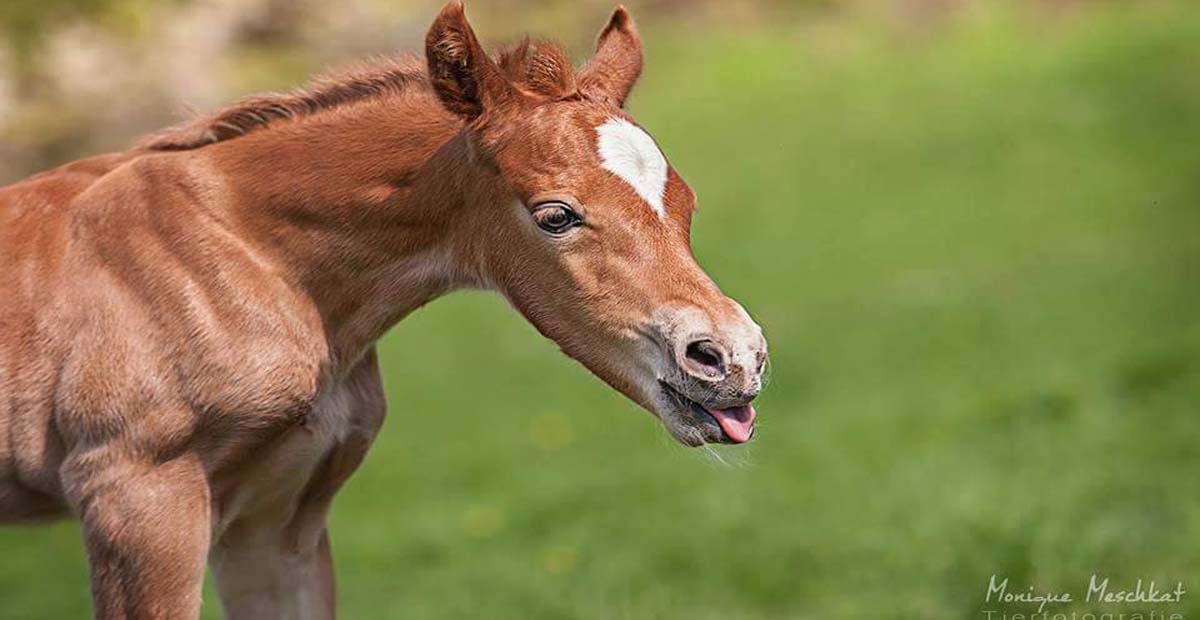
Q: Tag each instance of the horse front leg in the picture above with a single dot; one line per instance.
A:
(264, 576)
(266, 567)
(146, 528)
(276, 563)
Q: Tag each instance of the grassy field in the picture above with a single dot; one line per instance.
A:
(975, 250)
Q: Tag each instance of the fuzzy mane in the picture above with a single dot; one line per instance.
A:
(542, 69)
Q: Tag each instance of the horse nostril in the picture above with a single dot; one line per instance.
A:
(707, 357)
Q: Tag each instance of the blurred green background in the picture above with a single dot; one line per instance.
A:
(971, 232)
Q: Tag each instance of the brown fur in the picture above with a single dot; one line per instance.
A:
(187, 337)
(379, 77)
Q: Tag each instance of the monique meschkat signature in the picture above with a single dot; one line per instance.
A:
(1098, 591)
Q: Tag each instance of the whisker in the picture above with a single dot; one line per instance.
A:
(716, 456)
(768, 373)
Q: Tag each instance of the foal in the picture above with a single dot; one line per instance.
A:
(187, 332)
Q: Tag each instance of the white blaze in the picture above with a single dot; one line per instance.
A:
(630, 153)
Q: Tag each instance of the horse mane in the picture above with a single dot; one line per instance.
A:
(542, 69)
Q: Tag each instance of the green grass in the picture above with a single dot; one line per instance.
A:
(975, 251)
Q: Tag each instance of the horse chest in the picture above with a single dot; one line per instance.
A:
(284, 478)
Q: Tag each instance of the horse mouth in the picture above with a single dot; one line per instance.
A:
(733, 425)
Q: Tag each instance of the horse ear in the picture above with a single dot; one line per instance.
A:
(612, 72)
(465, 78)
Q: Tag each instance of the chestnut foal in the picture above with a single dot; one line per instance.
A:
(187, 331)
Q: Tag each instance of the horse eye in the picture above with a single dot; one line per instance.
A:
(555, 218)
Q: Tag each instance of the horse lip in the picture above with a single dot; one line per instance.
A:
(699, 414)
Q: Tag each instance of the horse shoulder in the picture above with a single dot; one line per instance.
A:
(175, 331)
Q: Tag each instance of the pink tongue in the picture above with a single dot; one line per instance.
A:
(737, 422)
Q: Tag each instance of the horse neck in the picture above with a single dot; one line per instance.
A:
(359, 210)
